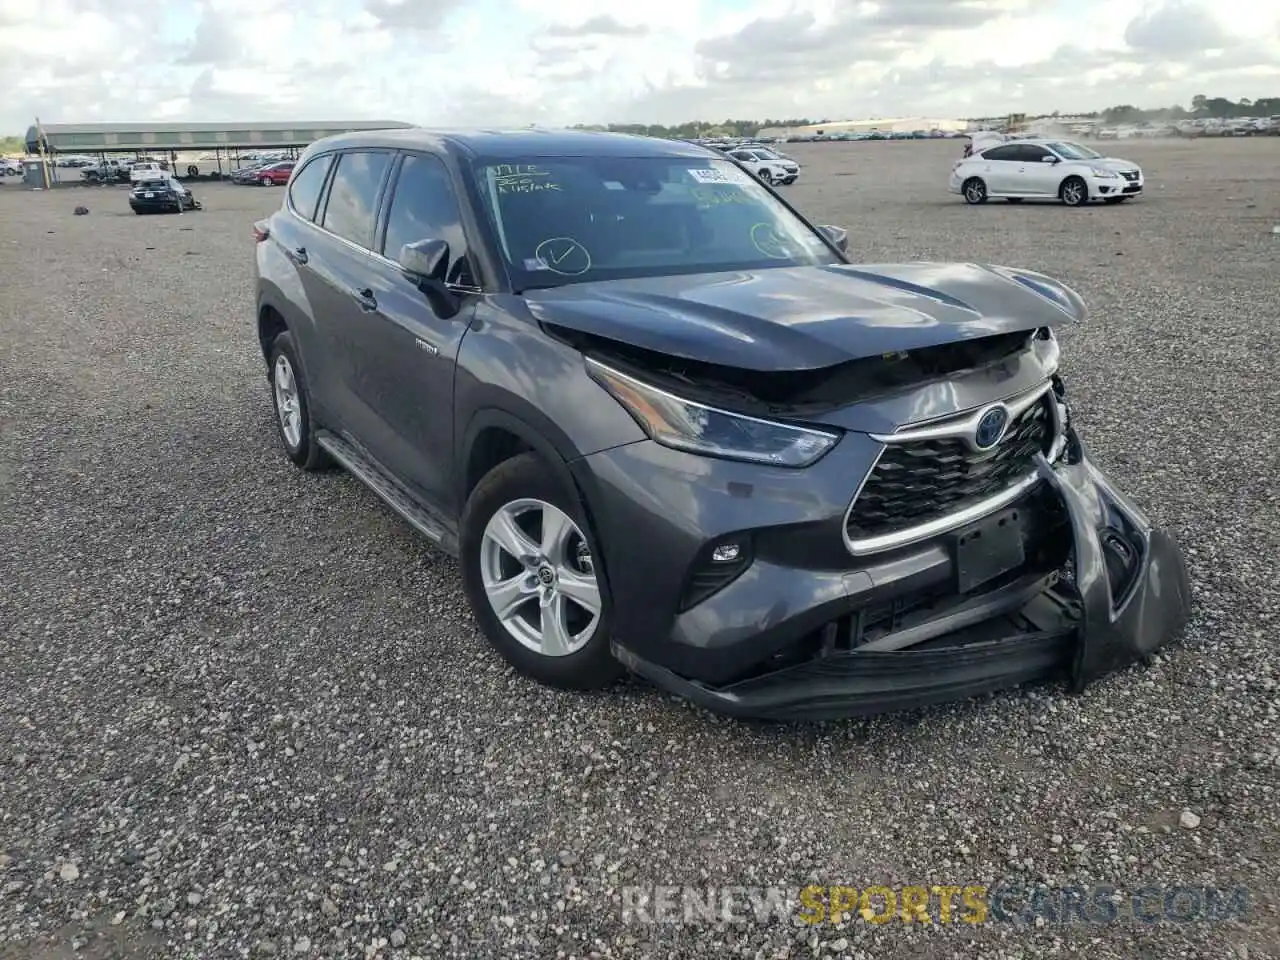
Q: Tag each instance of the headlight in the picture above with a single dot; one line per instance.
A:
(1104, 173)
(685, 425)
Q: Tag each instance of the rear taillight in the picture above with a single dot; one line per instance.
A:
(261, 231)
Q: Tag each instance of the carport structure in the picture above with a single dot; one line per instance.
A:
(212, 140)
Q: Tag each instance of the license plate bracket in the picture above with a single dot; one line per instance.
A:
(988, 549)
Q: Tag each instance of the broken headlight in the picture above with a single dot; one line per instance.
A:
(697, 428)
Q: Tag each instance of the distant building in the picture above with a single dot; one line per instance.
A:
(93, 138)
(883, 125)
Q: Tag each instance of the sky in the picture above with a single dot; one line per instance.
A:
(554, 62)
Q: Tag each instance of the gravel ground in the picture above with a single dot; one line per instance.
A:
(245, 712)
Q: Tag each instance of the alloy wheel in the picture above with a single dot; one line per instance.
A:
(539, 577)
(288, 406)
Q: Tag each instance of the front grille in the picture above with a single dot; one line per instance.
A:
(923, 480)
(1130, 174)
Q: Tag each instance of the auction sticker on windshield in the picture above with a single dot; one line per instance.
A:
(715, 175)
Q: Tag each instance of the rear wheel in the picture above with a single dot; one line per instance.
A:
(267, 182)
(530, 571)
(974, 190)
(1074, 192)
(293, 406)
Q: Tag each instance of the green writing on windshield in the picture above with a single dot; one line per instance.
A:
(713, 197)
(522, 178)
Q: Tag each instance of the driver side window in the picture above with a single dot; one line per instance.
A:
(424, 207)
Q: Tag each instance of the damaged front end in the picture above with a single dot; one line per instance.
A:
(874, 498)
(1038, 569)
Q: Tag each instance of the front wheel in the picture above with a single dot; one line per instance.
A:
(765, 176)
(530, 570)
(1074, 192)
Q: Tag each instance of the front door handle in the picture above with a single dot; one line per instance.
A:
(368, 302)
(298, 255)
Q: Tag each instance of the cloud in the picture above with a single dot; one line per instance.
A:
(216, 40)
(604, 25)
(411, 14)
(524, 61)
(1176, 28)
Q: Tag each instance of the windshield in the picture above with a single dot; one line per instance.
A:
(1073, 151)
(578, 219)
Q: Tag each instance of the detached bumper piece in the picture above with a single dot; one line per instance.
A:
(1123, 593)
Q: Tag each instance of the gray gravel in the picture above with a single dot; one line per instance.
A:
(245, 712)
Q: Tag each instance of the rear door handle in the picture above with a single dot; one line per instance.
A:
(368, 302)
(298, 254)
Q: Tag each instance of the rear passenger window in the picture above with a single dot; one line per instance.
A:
(423, 207)
(353, 197)
(1007, 152)
(304, 192)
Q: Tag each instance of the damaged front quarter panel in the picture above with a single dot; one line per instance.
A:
(1151, 605)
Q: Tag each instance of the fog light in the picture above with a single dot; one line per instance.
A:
(726, 553)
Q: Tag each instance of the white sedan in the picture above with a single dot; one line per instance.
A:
(1045, 170)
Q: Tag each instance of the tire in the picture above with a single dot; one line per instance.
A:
(1074, 192)
(527, 489)
(765, 176)
(974, 190)
(193, 171)
(267, 182)
(298, 439)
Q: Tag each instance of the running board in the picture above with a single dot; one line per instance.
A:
(365, 469)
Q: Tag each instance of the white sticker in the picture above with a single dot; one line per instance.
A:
(613, 185)
(533, 263)
(710, 175)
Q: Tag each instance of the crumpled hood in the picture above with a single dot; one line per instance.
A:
(808, 318)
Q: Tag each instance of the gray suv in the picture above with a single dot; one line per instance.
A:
(666, 426)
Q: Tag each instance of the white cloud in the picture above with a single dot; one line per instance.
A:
(523, 61)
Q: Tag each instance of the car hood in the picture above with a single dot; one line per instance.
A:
(808, 318)
(1115, 163)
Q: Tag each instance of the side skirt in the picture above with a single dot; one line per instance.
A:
(426, 520)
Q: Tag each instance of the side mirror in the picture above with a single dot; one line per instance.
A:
(1050, 159)
(838, 236)
(424, 260)
(425, 263)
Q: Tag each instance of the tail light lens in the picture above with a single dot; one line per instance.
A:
(261, 231)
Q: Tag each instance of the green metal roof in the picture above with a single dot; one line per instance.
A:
(96, 137)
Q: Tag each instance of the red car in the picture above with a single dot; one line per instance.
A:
(275, 175)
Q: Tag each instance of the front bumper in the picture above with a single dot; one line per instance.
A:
(1120, 186)
(721, 653)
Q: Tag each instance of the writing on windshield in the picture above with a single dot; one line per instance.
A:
(576, 219)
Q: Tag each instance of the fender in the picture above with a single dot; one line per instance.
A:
(560, 457)
(557, 452)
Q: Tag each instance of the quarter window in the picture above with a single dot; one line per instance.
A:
(304, 192)
(1007, 152)
(353, 196)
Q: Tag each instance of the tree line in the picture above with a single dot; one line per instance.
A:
(1201, 106)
